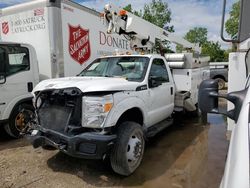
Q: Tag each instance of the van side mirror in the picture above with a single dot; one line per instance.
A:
(237, 98)
(208, 99)
(208, 96)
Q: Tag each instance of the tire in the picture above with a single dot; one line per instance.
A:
(19, 119)
(128, 151)
(221, 83)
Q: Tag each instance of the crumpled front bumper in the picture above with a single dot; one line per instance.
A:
(88, 145)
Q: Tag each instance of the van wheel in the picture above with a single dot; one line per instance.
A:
(221, 83)
(128, 151)
(19, 120)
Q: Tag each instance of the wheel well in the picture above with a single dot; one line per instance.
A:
(133, 114)
(23, 101)
(219, 76)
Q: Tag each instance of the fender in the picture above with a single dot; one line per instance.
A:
(123, 104)
(14, 103)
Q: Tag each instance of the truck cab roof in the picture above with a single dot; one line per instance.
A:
(135, 55)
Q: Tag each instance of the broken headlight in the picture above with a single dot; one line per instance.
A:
(37, 102)
(95, 109)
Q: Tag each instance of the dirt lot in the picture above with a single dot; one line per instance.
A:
(185, 155)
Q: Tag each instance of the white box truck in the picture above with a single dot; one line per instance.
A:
(66, 37)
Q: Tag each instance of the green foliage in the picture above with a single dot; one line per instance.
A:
(208, 48)
(232, 23)
(129, 9)
(226, 55)
(197, 35)
(158, 13)
(213, 49)
(138, 13)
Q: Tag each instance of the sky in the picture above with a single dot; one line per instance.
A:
(186, 14)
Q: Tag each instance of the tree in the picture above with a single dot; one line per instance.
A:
(209, 48)
(195, 35)
(213, 49)
(158, 13)
(129, 9)
(233, 22)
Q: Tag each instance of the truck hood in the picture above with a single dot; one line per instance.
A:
(88, 84)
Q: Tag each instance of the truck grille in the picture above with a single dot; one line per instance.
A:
(60, 110)
(55, 117)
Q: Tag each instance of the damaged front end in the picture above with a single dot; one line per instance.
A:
(60, 123)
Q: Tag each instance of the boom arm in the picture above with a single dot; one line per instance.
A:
(141, 32)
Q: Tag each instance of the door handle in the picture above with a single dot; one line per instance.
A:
(30, 86)
(171, 90)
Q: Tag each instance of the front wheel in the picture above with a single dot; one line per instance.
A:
(128, 151)
(19, 120)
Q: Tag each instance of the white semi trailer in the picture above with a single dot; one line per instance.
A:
(66, 38)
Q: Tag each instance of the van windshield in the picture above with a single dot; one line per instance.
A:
(132, 68)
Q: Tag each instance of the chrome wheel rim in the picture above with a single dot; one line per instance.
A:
(135, 149)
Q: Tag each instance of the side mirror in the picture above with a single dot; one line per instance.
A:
(153, 81)
(208, 96)
(208, 99)
(237, 98)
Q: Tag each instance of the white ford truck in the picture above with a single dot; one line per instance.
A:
(113, 105)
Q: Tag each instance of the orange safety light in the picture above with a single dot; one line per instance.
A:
(123, 12)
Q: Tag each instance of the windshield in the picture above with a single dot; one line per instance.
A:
(131, 68)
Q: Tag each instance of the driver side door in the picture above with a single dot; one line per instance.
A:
(161, 92)
(17, 78)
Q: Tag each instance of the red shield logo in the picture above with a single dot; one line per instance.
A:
(79, 45)
(5, 27)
